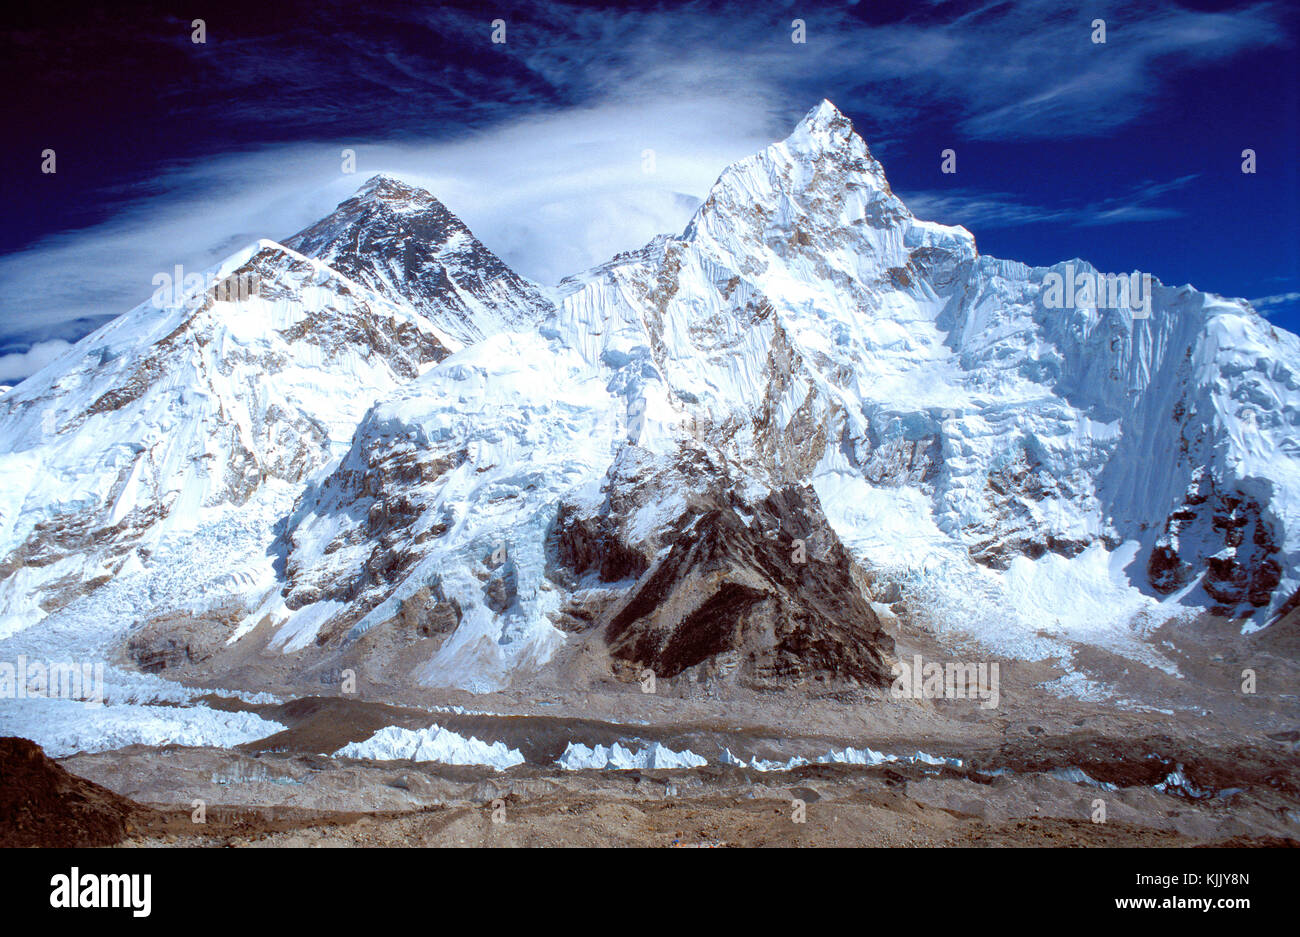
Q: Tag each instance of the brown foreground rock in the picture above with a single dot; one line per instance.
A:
(41, 804)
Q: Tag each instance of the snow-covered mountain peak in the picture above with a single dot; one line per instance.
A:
(259, 375)
(817, 192)
(384, 187)
(375, 204)
(825, 132)
(815, 329)
(400, 241)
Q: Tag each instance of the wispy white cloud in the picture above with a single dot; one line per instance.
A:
(976, 209)
(552, 195)
(1027, 69)
(15, 367)
(1266, 304)
(1136, 204)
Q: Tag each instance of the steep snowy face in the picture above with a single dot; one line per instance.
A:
(1181, 434)
(497, 506)
(947, 412)
(801, 282)
(167, 411)
(433, 529)
(405, 245)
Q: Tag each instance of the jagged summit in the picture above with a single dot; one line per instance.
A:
(823, 112)
(383, 185)
(400, 241)
(384, 194)
(822, 176)
(823, 129)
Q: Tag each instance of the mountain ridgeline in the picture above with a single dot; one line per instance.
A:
(716, 458)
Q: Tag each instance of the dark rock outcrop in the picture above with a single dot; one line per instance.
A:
(41, 804)
(761, 592)
(764, 590)
(1225, 533)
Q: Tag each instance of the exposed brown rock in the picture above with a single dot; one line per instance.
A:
(427, 613)
(502, 587)
(1011, 494)
(169, 641)
(592, 544)
(41, 804)
(771, 600)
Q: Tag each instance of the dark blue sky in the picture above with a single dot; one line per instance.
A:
(1127, 154)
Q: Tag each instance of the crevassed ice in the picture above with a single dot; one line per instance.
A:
(394, 743)
(578, 756)
(63, 727)
(843, 756)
